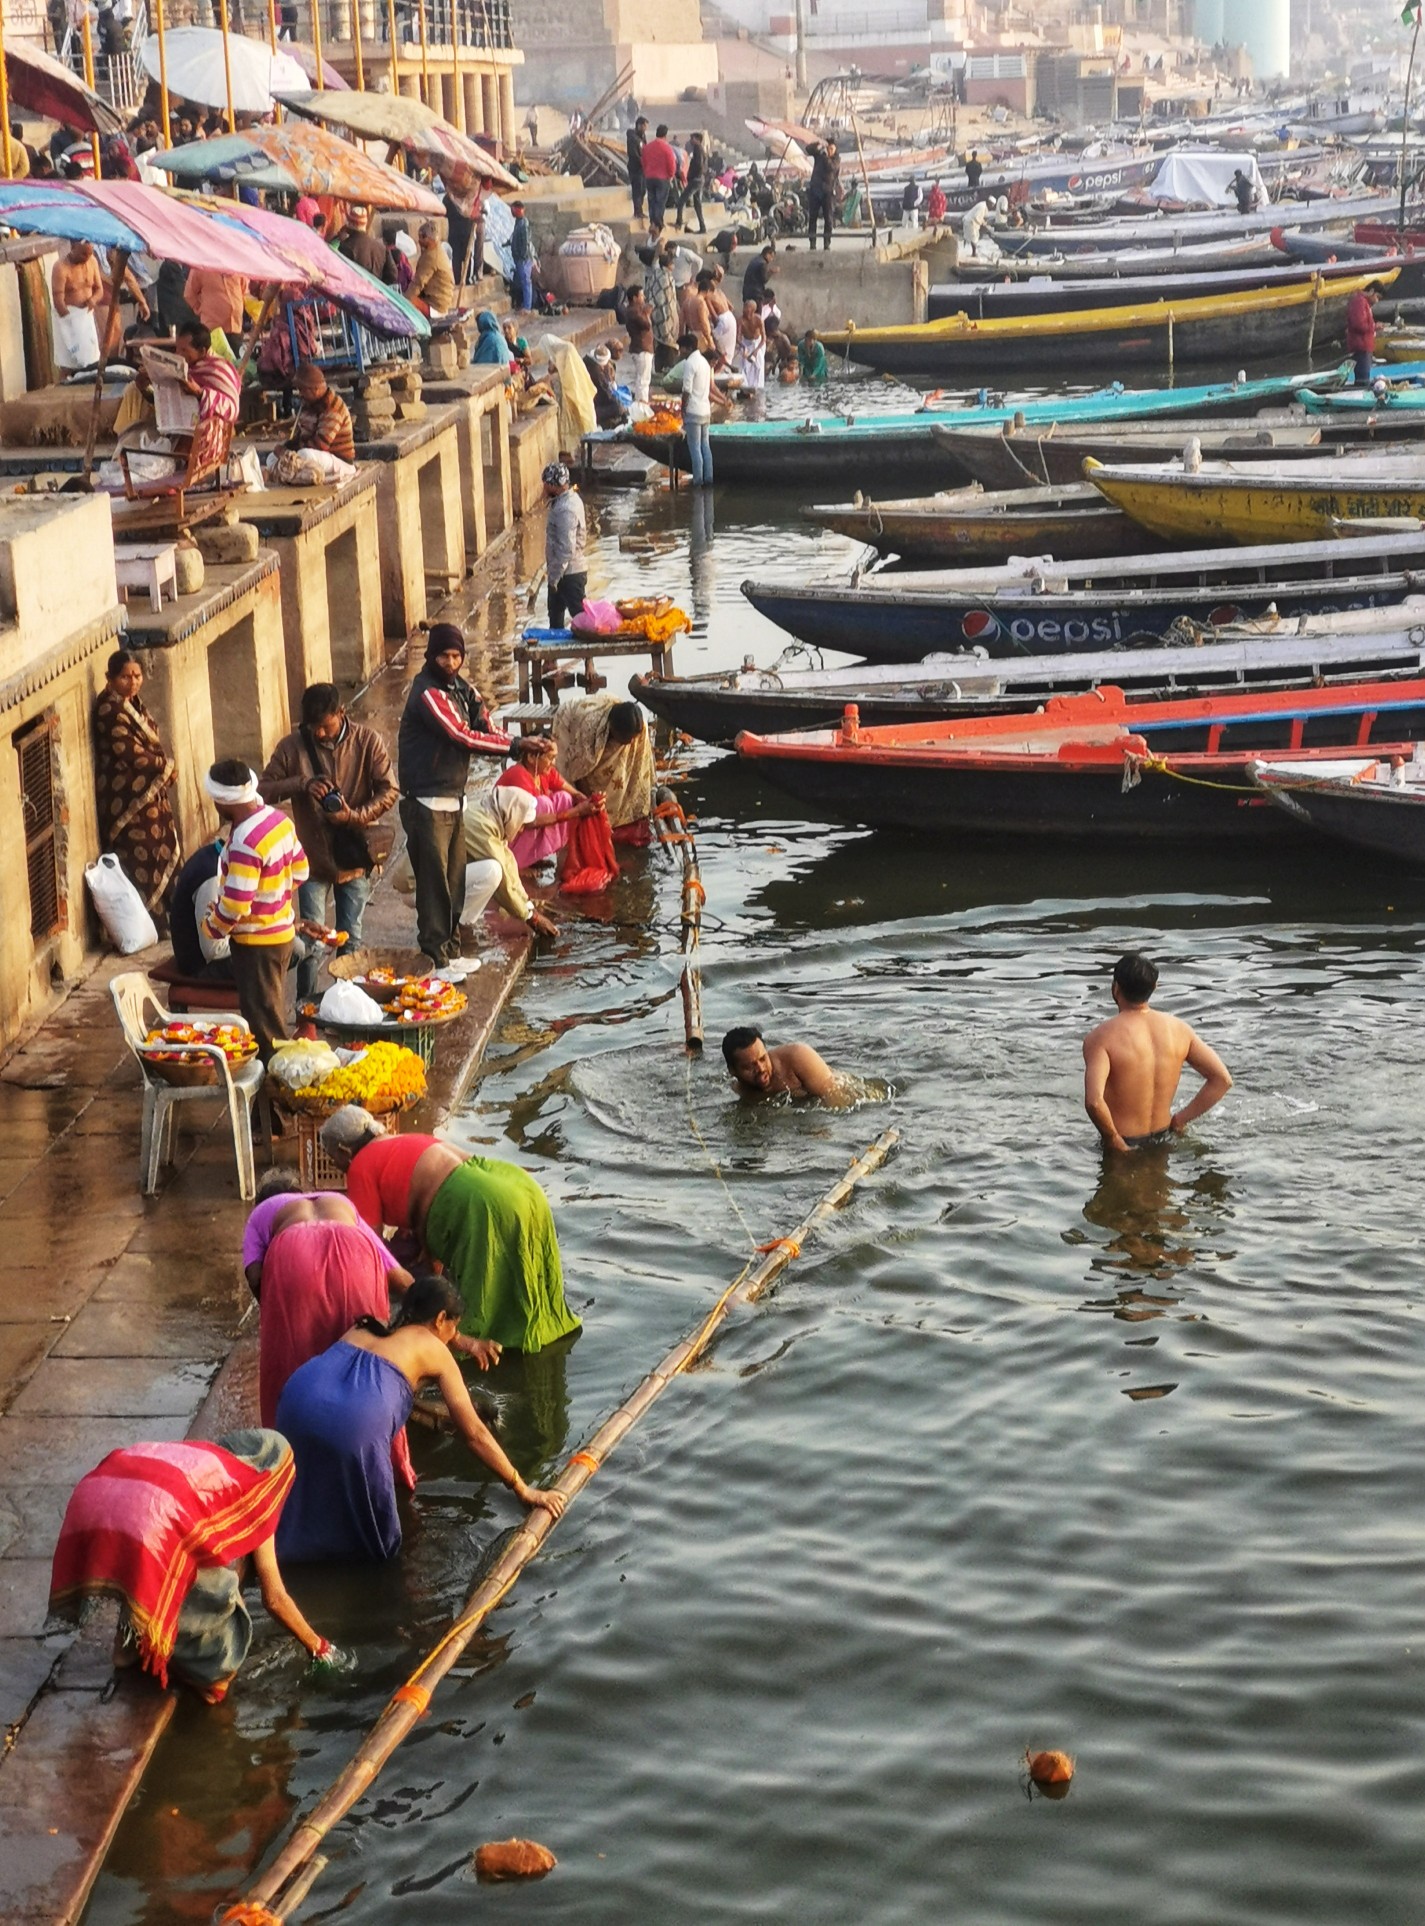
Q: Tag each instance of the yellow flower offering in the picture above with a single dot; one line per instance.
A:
(385, 1077)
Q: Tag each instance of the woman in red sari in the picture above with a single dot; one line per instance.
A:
(164, 1528)
(133, 779)
(556, 801)
(216, 383)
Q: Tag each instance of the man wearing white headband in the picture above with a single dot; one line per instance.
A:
(261, 870)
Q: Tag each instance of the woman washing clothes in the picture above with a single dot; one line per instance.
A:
(164, 1528)
(342, 1410)
(487, 1222)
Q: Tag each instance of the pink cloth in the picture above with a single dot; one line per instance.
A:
(548, 833)
(317, 1280)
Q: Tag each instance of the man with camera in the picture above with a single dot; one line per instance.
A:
(335, 776)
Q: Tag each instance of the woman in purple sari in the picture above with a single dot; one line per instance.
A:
(340, 1411)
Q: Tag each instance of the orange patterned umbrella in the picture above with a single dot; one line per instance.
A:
(323, 163)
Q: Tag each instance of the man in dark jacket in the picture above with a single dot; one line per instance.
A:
(637, 186)
(335, 777)
(444, 724)
(754, 281)
(357, 242)
(694, 180)
(824, 189)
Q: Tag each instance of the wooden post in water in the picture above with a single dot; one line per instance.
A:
(1315, 304)
(274, 1888)
(1405, 121)
(670, 812)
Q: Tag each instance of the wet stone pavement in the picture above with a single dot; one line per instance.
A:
(124, 1318)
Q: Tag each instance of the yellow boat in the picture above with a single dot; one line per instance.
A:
(1227, 328)
(1299, 501)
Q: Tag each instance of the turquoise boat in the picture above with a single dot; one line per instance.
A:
(1365, 401)
(861, 450)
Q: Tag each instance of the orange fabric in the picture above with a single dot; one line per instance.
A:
(590, 864)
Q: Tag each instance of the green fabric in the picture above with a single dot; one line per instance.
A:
(490, 1225)
(813, 362)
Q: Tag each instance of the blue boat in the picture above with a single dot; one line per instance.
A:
(858, 450)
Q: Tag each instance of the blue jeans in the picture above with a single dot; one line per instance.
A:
(312, 899)
(524, 285)
(699, 452)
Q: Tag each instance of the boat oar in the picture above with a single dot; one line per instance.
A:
(270, 1898)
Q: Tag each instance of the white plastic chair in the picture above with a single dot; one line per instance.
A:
(140, 1011)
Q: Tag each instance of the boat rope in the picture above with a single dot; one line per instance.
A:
(1136, 766)
(275, 1891)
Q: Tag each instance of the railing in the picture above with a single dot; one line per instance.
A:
(119, 77)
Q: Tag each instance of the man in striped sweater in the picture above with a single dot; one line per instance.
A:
(261, 870)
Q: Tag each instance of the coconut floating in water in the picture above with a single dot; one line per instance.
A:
(1050, 1772)
(513, 1859)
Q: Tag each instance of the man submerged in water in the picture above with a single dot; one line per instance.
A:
(788, 1069)
(1133, 1062)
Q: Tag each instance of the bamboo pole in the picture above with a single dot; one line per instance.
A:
(320, 81)
(272, 25)
(356, 45)
(410, 1701)
(1405, 120)
(670, 811)
(227, 63)
(87, 42)
(391, 31)
(5, 100)
(865, 182)
(163, 107)
(425, 52)
(458, 99)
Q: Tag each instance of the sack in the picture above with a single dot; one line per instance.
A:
(296, 1064)
(121, 909)
(344, 1003)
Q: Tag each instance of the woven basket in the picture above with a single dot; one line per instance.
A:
(191, 1073)
(314, 1167)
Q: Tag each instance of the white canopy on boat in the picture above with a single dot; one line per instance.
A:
(1206, 175)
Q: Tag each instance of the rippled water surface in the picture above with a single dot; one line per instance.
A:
(1024, 1451)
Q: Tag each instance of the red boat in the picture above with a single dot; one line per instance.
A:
(1094, 765)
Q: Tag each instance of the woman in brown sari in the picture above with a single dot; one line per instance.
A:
(133, 778)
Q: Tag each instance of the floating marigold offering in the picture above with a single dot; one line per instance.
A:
(1049, 1769)
(513, 1859)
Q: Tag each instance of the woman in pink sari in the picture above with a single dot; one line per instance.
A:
(556, 802)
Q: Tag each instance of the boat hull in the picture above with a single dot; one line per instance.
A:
(884, 625)
(1001, 300)
(1198, 508)
(951, 538)
(1028, 459)
(1378, 821)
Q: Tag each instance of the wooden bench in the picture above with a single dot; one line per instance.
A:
(536, 662)
(147, 565)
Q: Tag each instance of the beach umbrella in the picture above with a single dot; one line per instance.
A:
(384, 310)
(197, 72)
(306, 59)
(45, 86)
(227, 157)
(324, 163)
(408, 124)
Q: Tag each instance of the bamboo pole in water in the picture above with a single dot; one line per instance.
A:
(274, 1888)
(690, 984)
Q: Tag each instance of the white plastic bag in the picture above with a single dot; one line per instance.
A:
(298, 1063)
(344, 1003)
(121, 909)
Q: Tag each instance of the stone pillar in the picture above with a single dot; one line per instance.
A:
(474, 109)
(490, 104)
(507, 110)
(411, 84)
(448, 109)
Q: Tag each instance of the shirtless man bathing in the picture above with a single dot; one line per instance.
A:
(787, 1069)
(1133, 1062)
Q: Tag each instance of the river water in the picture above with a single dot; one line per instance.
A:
(1026, 1451)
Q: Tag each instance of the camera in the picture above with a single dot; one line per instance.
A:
(333, 801)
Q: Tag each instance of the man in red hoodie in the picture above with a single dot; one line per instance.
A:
(660, 170)
(1361, 335)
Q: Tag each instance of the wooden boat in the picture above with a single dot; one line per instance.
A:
(1378, 399)
(1010, 457)
(1265, 502)
(718, 707)
(1294, 319)
(860, 450)
(1405, 344)
(971, 525)
(1160, 229)
(1005, 299)
(1375, 803)
(1034, 607)
(1087, 766)
(1203, 258)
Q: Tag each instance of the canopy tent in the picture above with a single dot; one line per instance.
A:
(142, 220)
(410, 125)
(382, 309)
(299, 158)
(45, 86)
(1205, 174)
(197, 71)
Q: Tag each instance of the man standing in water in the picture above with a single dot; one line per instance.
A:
(788, 1069)
(1133, 1062)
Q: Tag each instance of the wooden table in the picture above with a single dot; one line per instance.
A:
(536, 661)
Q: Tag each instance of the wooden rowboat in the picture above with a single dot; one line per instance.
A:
(1255, 502)
(1002, 299)
(1094, 766)
(1228, 327)
(1375, 803)
(1014, 457)
(971, 525)
(1037, 607)
(717, 707)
